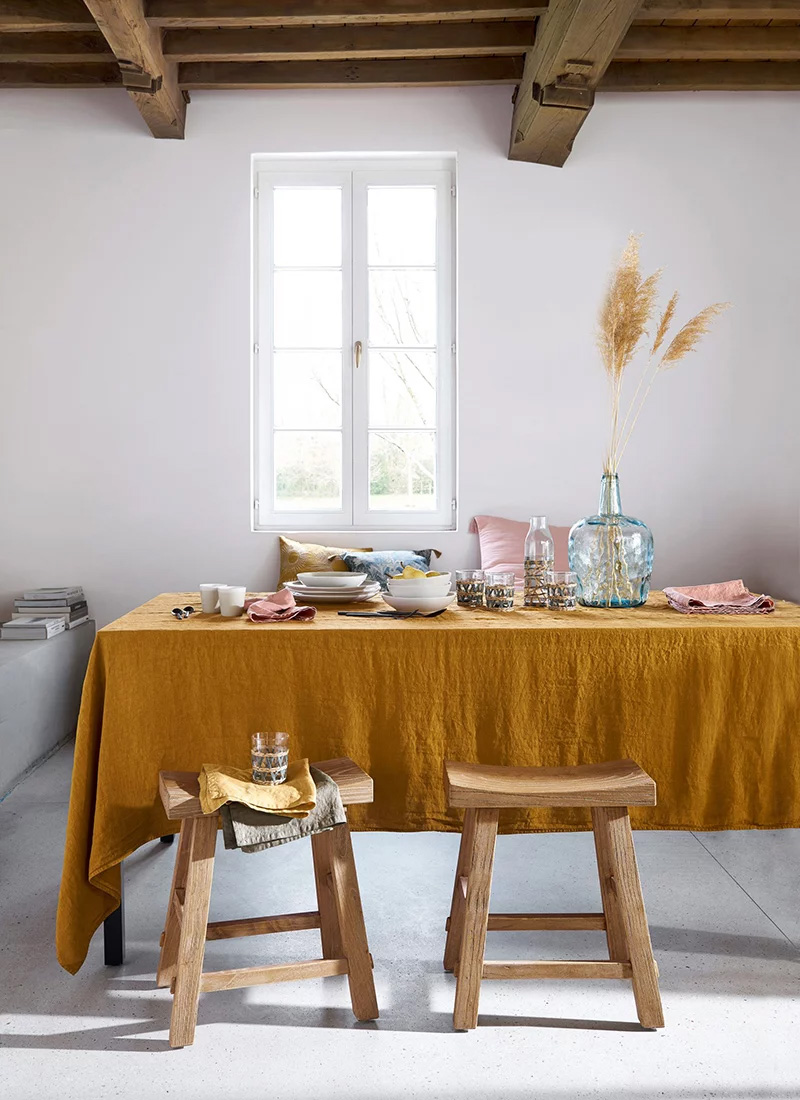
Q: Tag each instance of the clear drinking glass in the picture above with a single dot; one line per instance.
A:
(498, 591)
(269, 756)
(562, 590)
(469, 587)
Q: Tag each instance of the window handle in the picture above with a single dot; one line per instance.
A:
(357, 350)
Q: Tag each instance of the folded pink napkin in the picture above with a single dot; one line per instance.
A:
(724, 598)
(279, 607)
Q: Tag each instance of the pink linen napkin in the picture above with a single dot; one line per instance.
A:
(279, 607)
(724, 598)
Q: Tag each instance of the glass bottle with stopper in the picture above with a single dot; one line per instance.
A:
(539, 561)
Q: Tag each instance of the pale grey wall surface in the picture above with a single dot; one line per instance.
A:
(125, 339)
(40, 693)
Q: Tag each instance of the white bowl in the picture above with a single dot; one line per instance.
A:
(425, 605)
(419, 591)
(332, 580)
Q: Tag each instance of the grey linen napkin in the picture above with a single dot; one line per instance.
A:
(255, 830)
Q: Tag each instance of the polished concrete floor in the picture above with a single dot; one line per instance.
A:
(724, 911)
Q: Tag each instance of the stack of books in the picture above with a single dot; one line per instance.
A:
(44, 612)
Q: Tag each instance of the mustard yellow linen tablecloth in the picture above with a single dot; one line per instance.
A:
(709, 705)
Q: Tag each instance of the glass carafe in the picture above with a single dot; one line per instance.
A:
(539, 559)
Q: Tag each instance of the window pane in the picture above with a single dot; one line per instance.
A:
(402, 308)
(308, 309)
(308, 226)
(308, 471)
(402, 225)
(402, 389)
(402, 471)
(307, 389)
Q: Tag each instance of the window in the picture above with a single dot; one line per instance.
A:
(354, 354)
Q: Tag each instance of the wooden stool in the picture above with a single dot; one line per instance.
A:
(608, 789)
(339, 916)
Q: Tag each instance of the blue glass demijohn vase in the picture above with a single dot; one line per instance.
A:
(611, 553)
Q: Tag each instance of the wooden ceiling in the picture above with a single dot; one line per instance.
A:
(553, 55)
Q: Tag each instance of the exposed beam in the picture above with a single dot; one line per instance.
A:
(575, 42)
(40, 15)
(702, 76)
(720, 9)
(256, 13)
(334, 43)
(64, 76)
(336, 74)
(151, 81)
(711, 44)
(67, 48)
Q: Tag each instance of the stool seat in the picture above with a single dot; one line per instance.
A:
(491, 786)
(180, 791)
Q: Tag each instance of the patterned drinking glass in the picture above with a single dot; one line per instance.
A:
(269, 756)
(498, 591)
(469, 587)
(562, 591)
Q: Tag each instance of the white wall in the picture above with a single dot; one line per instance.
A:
(124, 328)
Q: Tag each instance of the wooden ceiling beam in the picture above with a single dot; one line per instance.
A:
(49, 47)
(255, 13)
(340, 43)
(336, 74)
(719, 10)
(710, 44)
(575, 42)
(61, 76)
(41, 15)
(151, 81)
(702, 76)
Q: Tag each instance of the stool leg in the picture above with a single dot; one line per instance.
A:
(615, 827)
(172, 928)
(615, 925)
(476, 917)
(326, 902)
(455, 929)
(351, 924)
(192, 945)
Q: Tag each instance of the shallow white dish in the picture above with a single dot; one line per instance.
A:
(425, 605)
(302, 594)
(332, 580)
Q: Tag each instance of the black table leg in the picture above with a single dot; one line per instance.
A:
(114, 929)
(168, 839)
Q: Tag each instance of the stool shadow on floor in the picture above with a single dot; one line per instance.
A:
(693, 941)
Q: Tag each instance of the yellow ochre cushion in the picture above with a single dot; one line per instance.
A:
(311, 557)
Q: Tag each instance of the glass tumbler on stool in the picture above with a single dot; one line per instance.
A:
(269, 757)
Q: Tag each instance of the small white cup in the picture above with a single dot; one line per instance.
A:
(231, 600)
(209, 597)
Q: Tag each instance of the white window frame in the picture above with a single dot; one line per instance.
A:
(353, 175)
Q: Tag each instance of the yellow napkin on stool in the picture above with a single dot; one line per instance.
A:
(295, 797)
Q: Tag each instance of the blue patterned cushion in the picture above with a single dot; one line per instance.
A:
(386, 563)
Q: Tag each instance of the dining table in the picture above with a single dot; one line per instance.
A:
(709, 705)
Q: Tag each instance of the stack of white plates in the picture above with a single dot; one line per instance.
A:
(333, 588)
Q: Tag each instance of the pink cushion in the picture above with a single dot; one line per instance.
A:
(503, 544)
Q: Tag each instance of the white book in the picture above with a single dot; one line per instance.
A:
(76, 622)
(57, 594)
(31, 628)
(53, 613)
